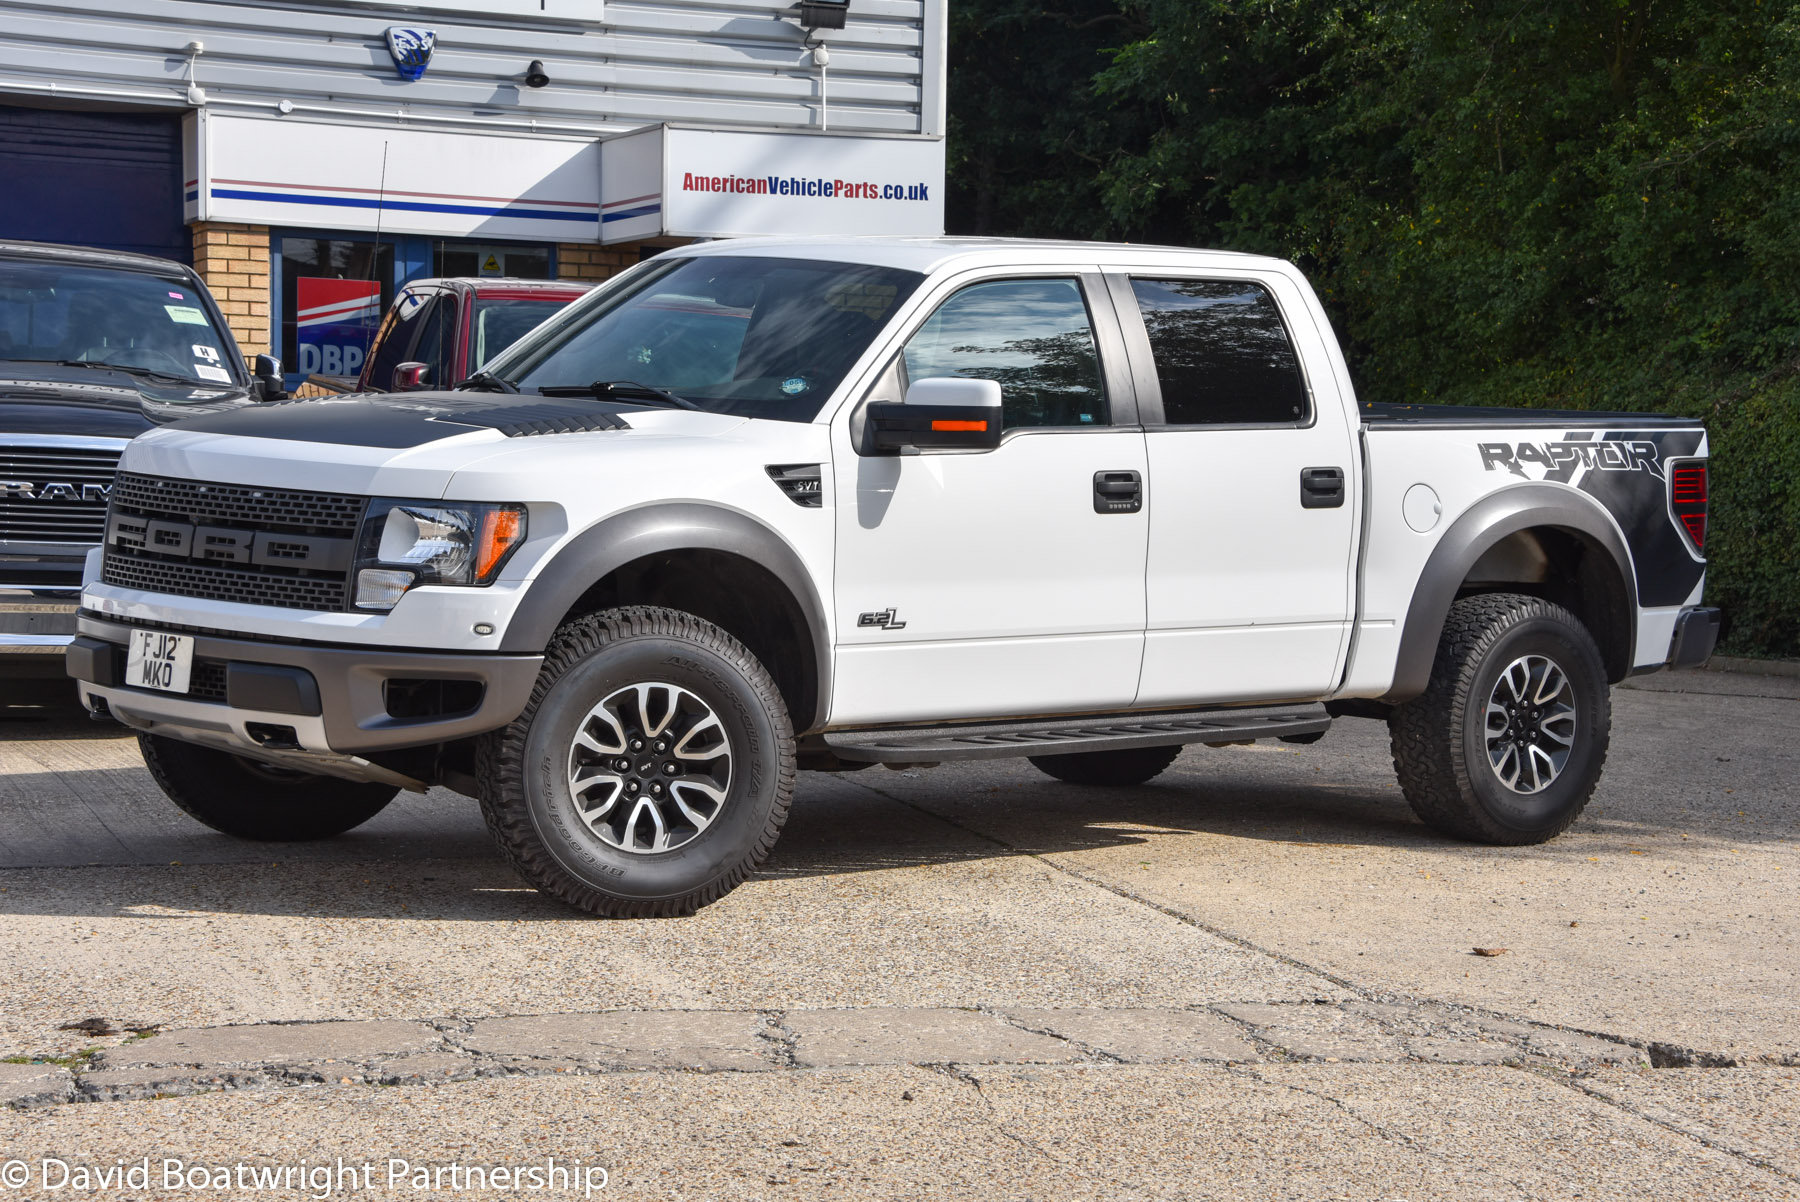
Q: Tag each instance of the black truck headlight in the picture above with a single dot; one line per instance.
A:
(406, 543)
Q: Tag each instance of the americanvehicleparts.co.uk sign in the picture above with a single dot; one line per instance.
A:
(776, 185)
(711, 183)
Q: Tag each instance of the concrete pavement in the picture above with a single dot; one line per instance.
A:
(1252, 978)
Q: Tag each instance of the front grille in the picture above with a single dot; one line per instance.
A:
(206, 682)
(239, 505)
(132, 563)
(54, 494)
(252, 587)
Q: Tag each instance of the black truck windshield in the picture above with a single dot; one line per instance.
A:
(145, 325)
(757, 337)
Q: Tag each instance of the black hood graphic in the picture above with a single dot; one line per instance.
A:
(413, 419)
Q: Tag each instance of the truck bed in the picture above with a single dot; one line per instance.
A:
(1375, 413)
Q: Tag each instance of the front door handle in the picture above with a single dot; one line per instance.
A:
(1118, 492)
(1321, 487)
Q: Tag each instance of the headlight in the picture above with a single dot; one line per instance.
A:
(406, 543)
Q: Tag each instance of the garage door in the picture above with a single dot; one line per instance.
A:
(93, 179)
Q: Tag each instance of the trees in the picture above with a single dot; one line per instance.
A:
(1585, 204)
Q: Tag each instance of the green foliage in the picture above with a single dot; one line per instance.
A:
(1593, 204)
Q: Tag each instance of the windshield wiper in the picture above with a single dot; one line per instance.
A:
(486, 381)
(151, 372)
(623, 390)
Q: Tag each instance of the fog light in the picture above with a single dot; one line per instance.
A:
(380, 588)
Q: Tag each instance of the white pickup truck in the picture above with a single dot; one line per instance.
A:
(761, 506)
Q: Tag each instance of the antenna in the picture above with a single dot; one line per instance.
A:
(375, 256)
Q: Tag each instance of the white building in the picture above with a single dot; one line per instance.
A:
(279, 145)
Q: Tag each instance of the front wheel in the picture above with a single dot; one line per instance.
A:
(1507, 742)
(252, 800)
(651, 772)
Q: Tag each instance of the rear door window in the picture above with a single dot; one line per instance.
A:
(1222, 354)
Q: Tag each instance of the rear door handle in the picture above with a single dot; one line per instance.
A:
(1321, 487)
(1118, 492)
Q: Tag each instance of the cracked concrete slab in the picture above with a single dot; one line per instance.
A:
(25, 1085)
(836, 1038)
(705, 1041)
(1318, 1032)
(272, 1044)
(1752, 1111)
(1143, 1036)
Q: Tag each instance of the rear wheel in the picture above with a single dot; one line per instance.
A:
(1508, 740)
(252, 800)
(1132, 766)
(651, 772)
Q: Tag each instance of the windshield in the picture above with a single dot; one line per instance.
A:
(501, 322)
(751, 336)
(143, 324)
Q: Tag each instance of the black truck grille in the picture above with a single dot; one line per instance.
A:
(243, 513)
(51, 494)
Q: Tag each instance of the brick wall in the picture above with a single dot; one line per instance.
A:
(591, 262)
(234, 262)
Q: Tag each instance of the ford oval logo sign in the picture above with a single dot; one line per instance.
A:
(411, 50)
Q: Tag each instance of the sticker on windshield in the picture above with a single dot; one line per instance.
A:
(208, 372)
(206, 352)
(177, 296)
(794, 385)
(185, 315)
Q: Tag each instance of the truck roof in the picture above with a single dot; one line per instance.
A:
(934, 254)
(88, 256)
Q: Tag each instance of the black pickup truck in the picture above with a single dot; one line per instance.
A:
(95, 348)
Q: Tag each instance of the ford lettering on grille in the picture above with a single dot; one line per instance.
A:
(223, 544)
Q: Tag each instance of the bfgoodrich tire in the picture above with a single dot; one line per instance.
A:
(249, 800)
(1509, 738)
(651, 772)
(1132, 766)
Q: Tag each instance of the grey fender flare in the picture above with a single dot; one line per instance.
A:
(1521, 507)
(608, 545)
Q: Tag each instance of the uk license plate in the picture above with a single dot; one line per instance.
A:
(160, 661)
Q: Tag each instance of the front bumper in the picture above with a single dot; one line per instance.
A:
(36, 624)
(317, 708)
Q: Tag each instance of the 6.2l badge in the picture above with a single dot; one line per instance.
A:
(885, 619)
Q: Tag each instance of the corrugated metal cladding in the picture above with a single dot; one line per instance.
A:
(728, 62)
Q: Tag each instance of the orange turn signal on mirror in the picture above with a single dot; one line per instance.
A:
(977, 427)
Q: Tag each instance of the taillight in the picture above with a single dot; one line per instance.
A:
(1687, 501)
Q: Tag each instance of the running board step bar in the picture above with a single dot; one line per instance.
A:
(1116, 732)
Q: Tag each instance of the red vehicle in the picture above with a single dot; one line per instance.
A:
(439, 332)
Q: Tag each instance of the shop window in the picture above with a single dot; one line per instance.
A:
(333, 294)
(471, 259)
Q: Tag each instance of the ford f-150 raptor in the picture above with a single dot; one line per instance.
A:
(757, 506)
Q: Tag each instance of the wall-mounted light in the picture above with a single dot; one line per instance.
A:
(196, 95)
(534, 74)
(823, 14)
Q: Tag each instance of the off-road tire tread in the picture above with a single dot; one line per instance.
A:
(1131, 766)
(1425, 733)
(500, 760)
(353, 802)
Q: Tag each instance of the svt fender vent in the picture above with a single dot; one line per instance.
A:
(800, 481)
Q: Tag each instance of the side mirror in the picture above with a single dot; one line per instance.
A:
(266, 379)
(941, 412)
(410, 377)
